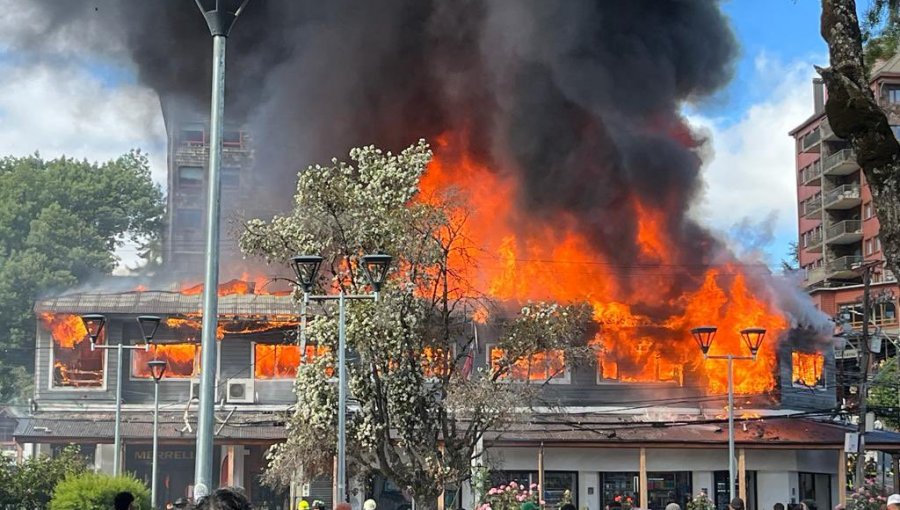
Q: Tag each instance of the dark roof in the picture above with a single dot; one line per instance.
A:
(610, 430)
(100, 427)
(163, 302)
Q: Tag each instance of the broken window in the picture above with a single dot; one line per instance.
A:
(73, 363)
(541, 366)
(280, 361)
(182, 360)
(808, 369)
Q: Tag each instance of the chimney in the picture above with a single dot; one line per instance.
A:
(818, 96)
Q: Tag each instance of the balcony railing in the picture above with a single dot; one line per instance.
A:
(814, 242)
(811, 173)
(842, 162)
(844, 267)
(847, 230)
(842, 197)
(811, 207)
(810, 142)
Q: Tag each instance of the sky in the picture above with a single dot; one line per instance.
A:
(88, 108)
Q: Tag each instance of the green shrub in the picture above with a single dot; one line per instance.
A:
(96, 491)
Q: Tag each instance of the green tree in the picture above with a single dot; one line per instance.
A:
(422, 411)
(30, 485)
(61, 221)
(97, 491)
(884, 396)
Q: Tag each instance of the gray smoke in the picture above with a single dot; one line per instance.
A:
(578, 98)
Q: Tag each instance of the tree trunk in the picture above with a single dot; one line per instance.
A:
(855, 116)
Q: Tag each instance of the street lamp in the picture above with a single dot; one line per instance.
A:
(157, 371)
(220, 16)
(753, 338)
(94, 324)
(306, 267)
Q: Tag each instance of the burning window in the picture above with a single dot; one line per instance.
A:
(808, 369)
(542, 366)
(183, 360)
(655, 368)
(280, 361)
(73, 362)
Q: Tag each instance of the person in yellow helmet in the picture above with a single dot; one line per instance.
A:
(303, 505)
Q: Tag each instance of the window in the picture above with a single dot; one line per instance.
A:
(867, 211)
(665, 488)
(892, 93)
(543, 366)
(280, 361)
(618, 485)
(817, 487)
(869, 246)
(183, 360)
(720, 479)
(190, 176)
(232, 138)
(73, 364)
(877, 244)
(808, 369)
(188, 219)
(556, 483)
(194, 134)
(231, 177)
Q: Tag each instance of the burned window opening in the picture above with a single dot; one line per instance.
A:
(183, 360)
(73, 364)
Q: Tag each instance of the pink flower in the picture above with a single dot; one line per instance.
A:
(520, 498)
(542, 502)
(513, 485)
(534, 486)
(493, 491)
(502, 487)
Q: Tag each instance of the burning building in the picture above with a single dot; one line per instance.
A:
(579, 172)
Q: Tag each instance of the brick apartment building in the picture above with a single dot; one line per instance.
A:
(837, 224)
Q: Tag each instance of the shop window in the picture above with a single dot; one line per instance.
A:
(556, 483)
(815, 487)
(722, 497)
(183, 360)
(665, 488)
(540, 367)
(72, 362)
(617, 487)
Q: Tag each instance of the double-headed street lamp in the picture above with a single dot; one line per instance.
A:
(753, 337)
(157, 371)
(94, 324)
(375, 267)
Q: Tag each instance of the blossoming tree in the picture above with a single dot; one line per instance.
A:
(421, 409)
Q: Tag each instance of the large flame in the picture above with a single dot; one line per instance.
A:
(182, 360)
(645, 322)
(74, 363)
(807, 368)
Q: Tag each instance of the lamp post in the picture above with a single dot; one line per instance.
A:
(753, 337)
(94, 324)
(157, 370)
(220, 16)
(375, 267)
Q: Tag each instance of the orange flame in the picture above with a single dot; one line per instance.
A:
(280, 361)
(517, 257)
(807, 368)
(183, 360)
(74, 363)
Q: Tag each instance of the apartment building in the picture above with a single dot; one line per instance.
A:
(837, 223)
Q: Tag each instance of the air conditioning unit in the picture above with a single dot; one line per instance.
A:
(240, 391)
(195, 390)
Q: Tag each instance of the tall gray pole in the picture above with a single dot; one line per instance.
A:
(220, 16)
(731, 427)
(155, 444)
(204, 462)
(117, 435)
(342, 400)
(863, 380)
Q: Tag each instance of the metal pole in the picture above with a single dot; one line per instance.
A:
(205, 421)
(117, 459)
(155, 443)
(342, 400)
(863, 381)
(731, 426)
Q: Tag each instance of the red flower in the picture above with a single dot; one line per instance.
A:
(618, 499)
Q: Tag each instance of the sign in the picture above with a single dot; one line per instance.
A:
(305, 490)
(851, 442)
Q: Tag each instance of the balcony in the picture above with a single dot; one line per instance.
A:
(811, 175)
(844, 232)
(811, 142)
(813, 243)
(843, 197)
(844, 267)
(827, 133)
(842, 162)
(815, 275)
(812, 208)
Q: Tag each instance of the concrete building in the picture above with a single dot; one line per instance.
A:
(837, 224)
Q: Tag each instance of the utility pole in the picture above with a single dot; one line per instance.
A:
(863, 380)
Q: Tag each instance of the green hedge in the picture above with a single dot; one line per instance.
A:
(95, 491)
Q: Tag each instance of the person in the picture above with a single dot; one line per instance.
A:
(567, 506)
(370, 504)
(778, 506)
(181, 504)
(810, 504)
(225, 498)
(342, 506)
(673, 506)
(123, 500)
(318, 505)
(528, 505)
(893, 502)
(303, 505)
(736, 504)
